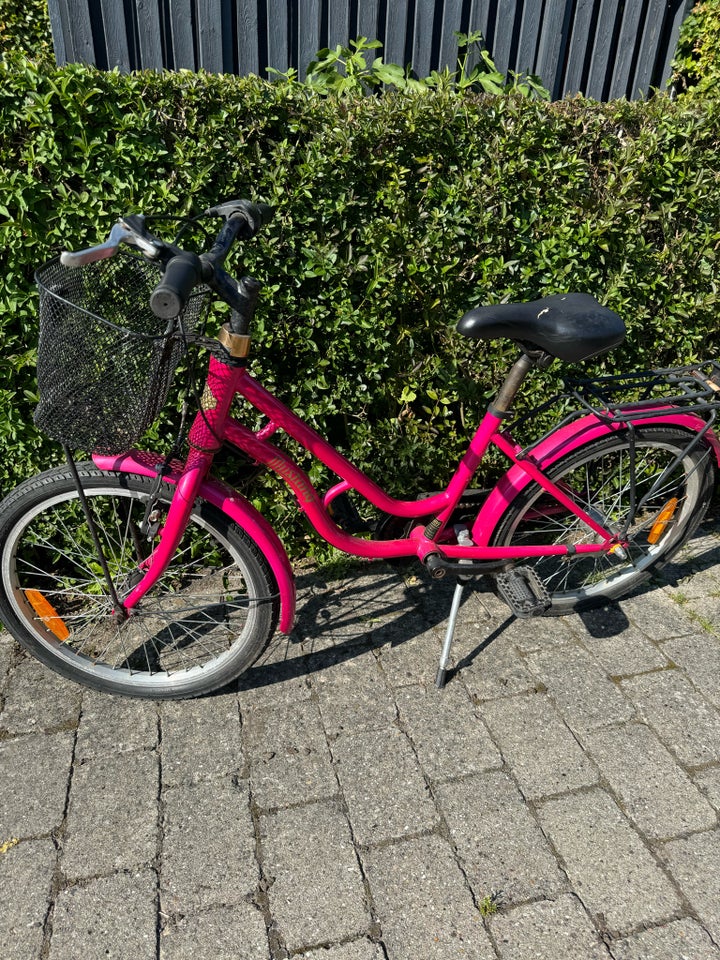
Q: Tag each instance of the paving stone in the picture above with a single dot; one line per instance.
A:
(7, 657)
(679, 940)
(484, 596)
(450, 738)
(682, 718)
(353, 694)
(704, 542)
(689, 581)
(538, 747)
(536, 633)
(344, 611)
(200, 738)
(580, 688)
(110, 724)
(709, 782)
(358, 950)
(480, 608)
(492, 670)
(610, 868)
(110, 917)
(384, 788)
(229, 933)
(260, 758)
(431, 598)
(693, 863)
(34, 773)
(699, 656)
(208, 851)
(657, 615)
(112, 819)
(498, 840)
(655, 792)
(39, 700)
(280, 675)
(602, 622)
(289, 756)
(26, 869)
(316, 889)
(409, 655)
(423, 904)
(704, 613)
(547, 930)
(622, 648)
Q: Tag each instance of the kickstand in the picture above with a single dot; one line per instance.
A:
(452, 620)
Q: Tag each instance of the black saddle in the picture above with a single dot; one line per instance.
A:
(570, 326)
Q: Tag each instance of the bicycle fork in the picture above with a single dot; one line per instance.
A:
(204, 440)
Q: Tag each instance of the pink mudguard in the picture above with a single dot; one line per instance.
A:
(232, 505)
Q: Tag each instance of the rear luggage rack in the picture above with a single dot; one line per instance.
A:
(631, 397)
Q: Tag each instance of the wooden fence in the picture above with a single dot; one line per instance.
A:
(602, 48)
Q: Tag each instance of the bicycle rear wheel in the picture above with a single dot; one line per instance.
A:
(207, 620)
(599, 477)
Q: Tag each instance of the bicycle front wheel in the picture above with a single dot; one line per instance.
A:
(605, 477)
(206, 620)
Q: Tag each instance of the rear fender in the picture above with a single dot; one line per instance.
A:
(233, 505)
(558, 444)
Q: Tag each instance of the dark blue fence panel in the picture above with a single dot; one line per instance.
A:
(602, 48)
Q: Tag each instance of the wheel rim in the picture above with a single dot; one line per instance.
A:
(601, 484)
(189, 624)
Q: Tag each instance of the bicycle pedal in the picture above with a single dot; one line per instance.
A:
(524, 592)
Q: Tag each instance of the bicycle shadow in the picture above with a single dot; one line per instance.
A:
(376, 605)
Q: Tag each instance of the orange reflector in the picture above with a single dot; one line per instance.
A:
(48, 614)
(663, 519)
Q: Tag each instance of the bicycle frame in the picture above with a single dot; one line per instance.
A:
(213, 425)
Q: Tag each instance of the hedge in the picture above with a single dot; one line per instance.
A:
(696, 67)
(25, 27)
(395, 214)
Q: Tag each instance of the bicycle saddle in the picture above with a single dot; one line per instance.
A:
(569, 326)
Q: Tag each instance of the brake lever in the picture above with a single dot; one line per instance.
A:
(228, 208)
(256, 215)
(120, 233)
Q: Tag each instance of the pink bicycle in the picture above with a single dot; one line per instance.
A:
(142, 574)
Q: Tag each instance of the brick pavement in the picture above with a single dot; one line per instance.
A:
(559, 799)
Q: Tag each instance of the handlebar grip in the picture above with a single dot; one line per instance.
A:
(170, 296)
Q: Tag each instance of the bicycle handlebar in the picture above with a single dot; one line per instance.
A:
(183, 270)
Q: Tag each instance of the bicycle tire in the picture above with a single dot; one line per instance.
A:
(206, 621)
(597, 475)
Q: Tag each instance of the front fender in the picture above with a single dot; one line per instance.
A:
(564, 441)
(233, 505)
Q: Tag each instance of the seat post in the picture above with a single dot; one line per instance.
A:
(508, 391)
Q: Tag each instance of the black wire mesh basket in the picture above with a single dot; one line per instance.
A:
(105, 361)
